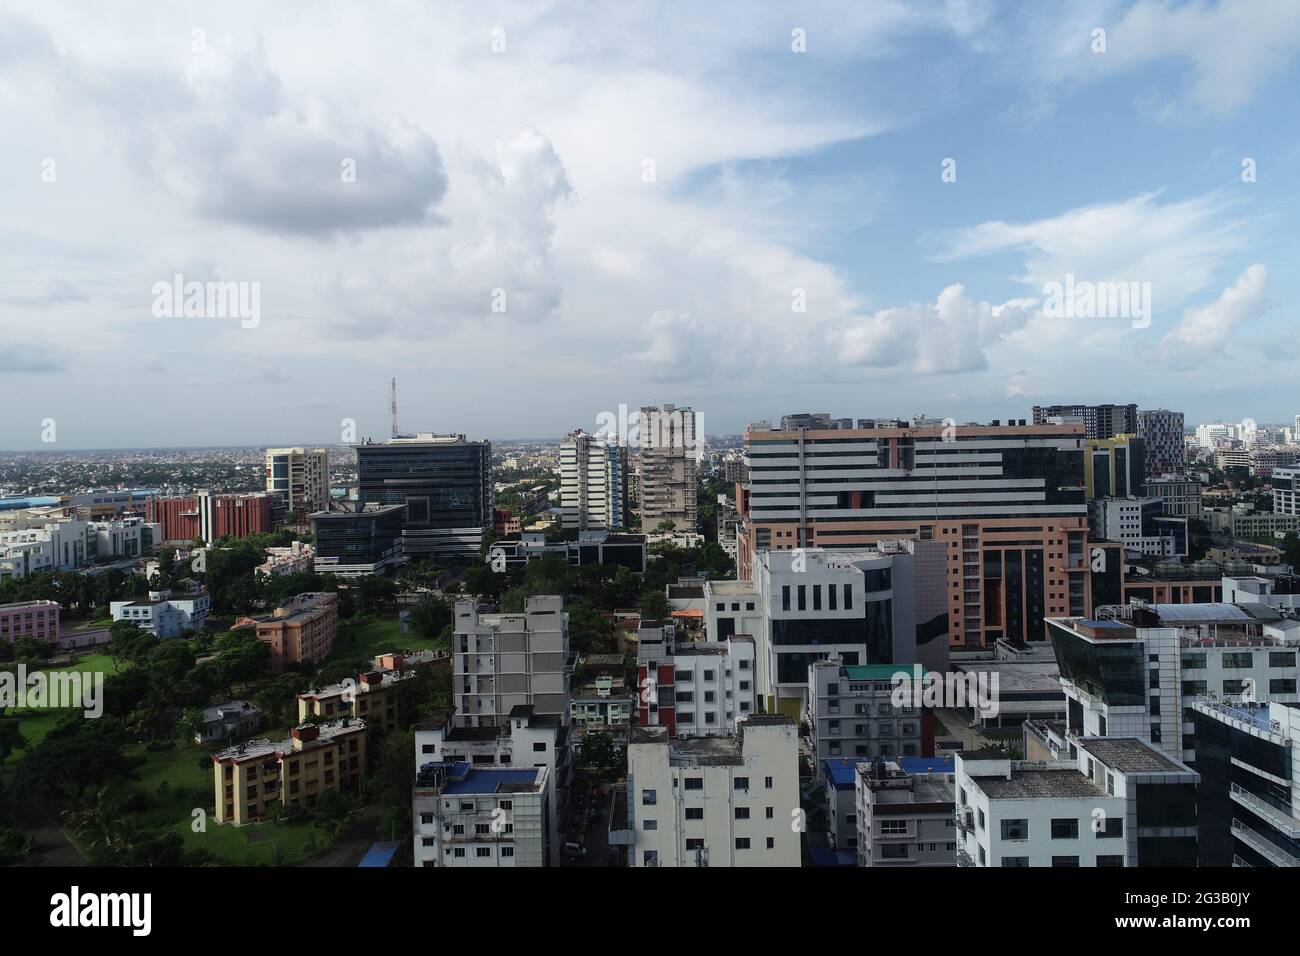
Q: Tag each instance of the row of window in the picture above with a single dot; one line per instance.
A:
(649, 798)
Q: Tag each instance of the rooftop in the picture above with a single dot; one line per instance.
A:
(1039, 782)
(1129, 755)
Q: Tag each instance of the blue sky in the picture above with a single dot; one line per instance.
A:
(503, 149)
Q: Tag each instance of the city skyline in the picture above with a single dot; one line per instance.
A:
(773, 206)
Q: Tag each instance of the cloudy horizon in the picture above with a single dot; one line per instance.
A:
(533, 213)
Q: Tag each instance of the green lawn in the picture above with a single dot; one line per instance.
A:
(188, 787)
(35, 724)
(366, 637)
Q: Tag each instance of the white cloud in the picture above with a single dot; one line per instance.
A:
(1205, 331)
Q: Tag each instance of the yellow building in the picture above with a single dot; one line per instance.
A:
(1114, 467)
(370, 697)
(250, 777)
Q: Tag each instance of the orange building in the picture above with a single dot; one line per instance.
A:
(301, 630)
(1007, 500)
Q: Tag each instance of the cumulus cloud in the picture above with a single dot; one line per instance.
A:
(1205, 330)
(948, 336)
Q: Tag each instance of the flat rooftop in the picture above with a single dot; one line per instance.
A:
(1039, 782)
(493, 781)
(1129, 755)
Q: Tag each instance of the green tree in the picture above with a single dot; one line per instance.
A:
(654, 606)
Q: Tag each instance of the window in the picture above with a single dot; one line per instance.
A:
(742, 843)
(650, 825)
(893, 827)
(694, 844)
(426, 817)
(1066, 828)
(785, 597)
(771, 842)
(1111, 860)
(694, 783)
(981, 819)
(1015, 830)
(1015, 861)
(1281, 659)
(459, 852)
(1113, 829)
(482, 851)
(694, 813)
(507, 851)
(647, 798)
(650, 858)
(742, 813)
(1065, 861)
(742, 783)
(539, 748)
(768, 814)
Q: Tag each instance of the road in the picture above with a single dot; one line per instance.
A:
(355, 841)
(52, 847)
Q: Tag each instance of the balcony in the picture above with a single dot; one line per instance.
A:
(1276, 817)
(1265, 848)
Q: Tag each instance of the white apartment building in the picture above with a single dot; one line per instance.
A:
(527, 740)
(1116, 802)
(851, 712)
(58, 546)
(503, 661)
(669, 448)
(591, 482)
(1285, 483)
(164, 615)
(465, 816)
(878, 605)
(1136, 672)
(298, 558)
(715, 801)
(902, 817)
(300, 477)
(1180, 496)
(694, 688)
(1139, 525)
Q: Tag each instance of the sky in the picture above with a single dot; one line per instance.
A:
(533, 213)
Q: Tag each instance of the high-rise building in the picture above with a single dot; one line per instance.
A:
(669, 446)
(1006, 500)
(1162, 433)
(592, 482)
(1248, 804)
(1137, 672)
(356, 543)
(445, 483)
(881, 605)
(1099, 421)
(504, 661)
(300, 477)
(1286, 491)
(1114, 467)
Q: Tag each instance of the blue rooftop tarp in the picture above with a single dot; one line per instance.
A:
(840, 771)
(380, 854)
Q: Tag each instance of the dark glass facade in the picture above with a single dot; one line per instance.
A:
(443, 485)
(1115, 671)
(1217, 743)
